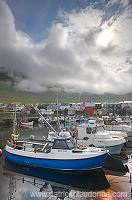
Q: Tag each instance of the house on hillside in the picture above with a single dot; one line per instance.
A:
(127, 106)
(3, 106)
(64, 106)
(10, 107)
(19, 107)
(89, 108)
(28, 110)
(53, 106)
(114, 108)
(78, 108)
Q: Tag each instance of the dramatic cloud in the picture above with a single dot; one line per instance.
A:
(88, 50)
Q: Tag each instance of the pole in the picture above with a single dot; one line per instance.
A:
(45, 120)
(57, 107)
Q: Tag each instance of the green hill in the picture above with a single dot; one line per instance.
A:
(8, 94)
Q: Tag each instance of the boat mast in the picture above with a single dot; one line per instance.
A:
(57, 107)
(45, 119)
(14, 123)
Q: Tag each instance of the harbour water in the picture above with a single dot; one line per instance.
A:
(112, 182)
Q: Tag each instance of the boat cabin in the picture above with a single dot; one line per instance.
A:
(64, 143)
(86, 129)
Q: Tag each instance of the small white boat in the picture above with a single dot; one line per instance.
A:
(94, 135)
(27, 123)
(62, 155)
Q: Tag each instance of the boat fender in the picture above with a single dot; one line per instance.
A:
(0, 151)
(81, 146)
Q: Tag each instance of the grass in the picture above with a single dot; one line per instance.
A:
(9, 95)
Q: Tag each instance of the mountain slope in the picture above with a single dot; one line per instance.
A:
(8, 94)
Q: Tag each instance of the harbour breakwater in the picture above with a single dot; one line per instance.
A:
(7, 118)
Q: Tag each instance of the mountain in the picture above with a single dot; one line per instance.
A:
(8, 95)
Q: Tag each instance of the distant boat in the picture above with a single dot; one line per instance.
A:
(123, 128)
(26, 122)
(62, 155)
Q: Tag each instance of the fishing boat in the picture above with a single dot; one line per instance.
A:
(63, 154)
(93, 135)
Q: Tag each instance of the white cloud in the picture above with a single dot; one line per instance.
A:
(83, 53)
(122, 3)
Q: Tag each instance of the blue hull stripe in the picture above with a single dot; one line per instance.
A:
(80, 164)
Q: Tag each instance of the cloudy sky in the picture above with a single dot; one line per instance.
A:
(76, 45)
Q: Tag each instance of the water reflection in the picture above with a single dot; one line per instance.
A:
(116, 165)
(28, 180)
(26, 127)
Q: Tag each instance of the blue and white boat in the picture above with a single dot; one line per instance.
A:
(63, 154)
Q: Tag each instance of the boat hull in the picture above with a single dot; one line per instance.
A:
(115, 149)
(27, 123)
(59, 164)
(108, 145)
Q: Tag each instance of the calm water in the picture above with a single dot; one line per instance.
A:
(22, 182)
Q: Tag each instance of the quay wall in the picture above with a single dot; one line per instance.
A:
(9, 117)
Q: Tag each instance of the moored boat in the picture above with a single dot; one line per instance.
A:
(63, 154)
(26, 122)
(123, 128)
(94, 135)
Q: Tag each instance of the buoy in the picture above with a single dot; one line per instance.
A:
(82, 146)
(0, 151)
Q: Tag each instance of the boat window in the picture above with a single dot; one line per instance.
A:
(100, 128)
(88, 130)
(70, 144)
(73, 141)
(94, 130)
(60, 144)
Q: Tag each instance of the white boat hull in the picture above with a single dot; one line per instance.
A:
(27, 123)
